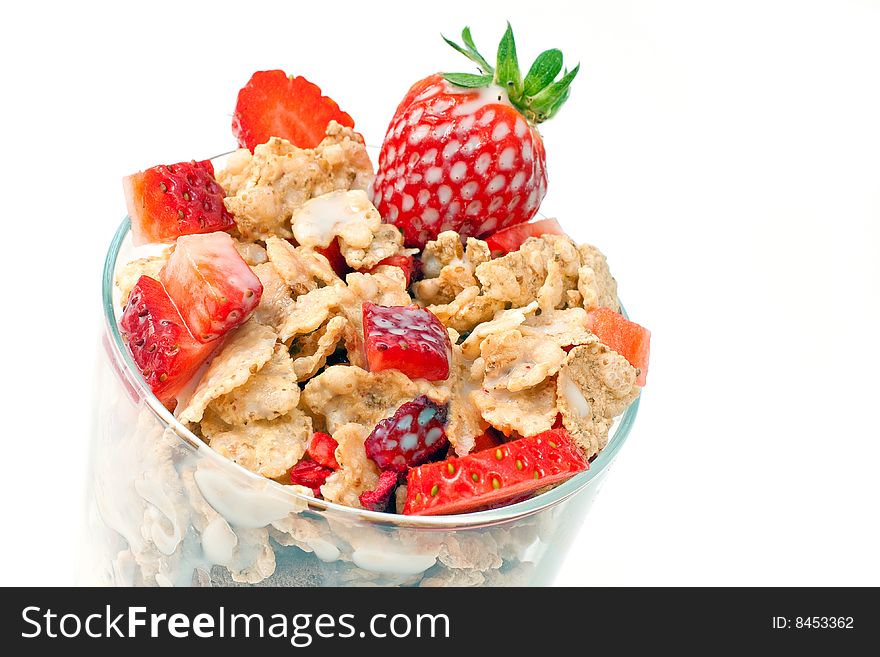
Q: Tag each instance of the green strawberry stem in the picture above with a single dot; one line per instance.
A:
(538, 96)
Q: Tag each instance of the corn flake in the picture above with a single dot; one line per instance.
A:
(302, 269)
(527, 412)
(356, 473)
(514, 362)
(311, 310)
(266, 188)
(345, 394)
(518, 277)
(597, 286)
(564, 327)
(467, 310)
(594, 386)
(311, 352)
(266, 447)
(246, 350)
(386, 241)
(270, 393)
(503, 321)
(253, 254)
(449, 269)
(276, 301)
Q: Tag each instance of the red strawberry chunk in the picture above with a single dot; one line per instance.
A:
(406, 338)
(322, 450)
(510, 239)
(405, 262)
(493, 476)
(211, 285)
(408, 438)
(163, 349)
(310, 474)
(627, 338)
(378, 498)
(167, 201)
(273, 104)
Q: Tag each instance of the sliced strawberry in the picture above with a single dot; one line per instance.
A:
(510, 239)
(273, 104)
(165, 352)
(627, 338)
(378, 498)
(310, 474)
(410, 437)
(167, 201)
(335, 258)
(493, 476)
(212, 286)
(406, 338)
(322, 450)
(405, 262)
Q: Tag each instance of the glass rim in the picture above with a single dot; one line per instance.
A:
(494, 516)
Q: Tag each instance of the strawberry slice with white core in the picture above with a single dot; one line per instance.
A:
(162, 347)
(167, 201)
(494, 476)
(406, 338)
(211, 284)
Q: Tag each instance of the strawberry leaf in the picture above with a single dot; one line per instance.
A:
(547, 103)
(470, 50)
(545, 69)
(468, 80)
(507, 73)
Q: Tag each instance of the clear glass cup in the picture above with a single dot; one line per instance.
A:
(165, 509)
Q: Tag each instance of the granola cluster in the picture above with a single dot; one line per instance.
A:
(523, 358)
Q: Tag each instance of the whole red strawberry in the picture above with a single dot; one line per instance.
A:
(463, 152)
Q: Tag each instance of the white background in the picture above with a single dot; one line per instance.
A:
(724, 155)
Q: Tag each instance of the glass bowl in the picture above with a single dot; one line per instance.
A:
(165, 509)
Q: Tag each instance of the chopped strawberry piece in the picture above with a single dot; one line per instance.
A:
(165, 352)
(406, 338)
(273, 104)
(335, 258)
(322, 450)
(212, 286)
(408, 438)
(627, 338)
(493, 476)
(510, 239)
(378, 498)
(167, 201)
(310, 474)
(405, 262)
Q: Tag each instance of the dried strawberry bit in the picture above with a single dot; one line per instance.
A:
(410, 437)
(310, 474)
(378, 498)
(322, 450)
(406, 338)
